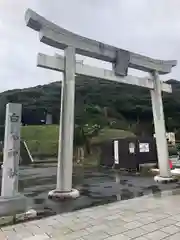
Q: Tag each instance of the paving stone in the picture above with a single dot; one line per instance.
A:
(116, 222)
(144, 214)
(10, 235)
(175, 217)
(158, 216)
(98, 222)
(36, 230)
(79, 226)
(150, 227)
(82, 219)
(74, 235)
(97, 228)
(158, 235)
(24, 234)
(59, 232)
(14, 238)
(128, 213)
(38, 237)
(51, 222)
(115, 230)
(99, 235)
(134, 233)
(146, 220)
(141, 238)
(132, 225)
(177, 224)
(112, 217)
(165, 222)
(128, 219)
(118, 237)
(8, 228)
(19, 227)
(175, 236)
(170, 229)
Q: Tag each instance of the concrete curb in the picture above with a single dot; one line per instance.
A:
(8, 220)
(163, 193)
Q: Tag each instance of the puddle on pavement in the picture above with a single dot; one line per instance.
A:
(97, 187)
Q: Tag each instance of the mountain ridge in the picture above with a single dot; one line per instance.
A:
(97, 101)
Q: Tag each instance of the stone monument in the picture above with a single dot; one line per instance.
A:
(11, 201)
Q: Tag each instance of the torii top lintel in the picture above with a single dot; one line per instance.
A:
(58, 37)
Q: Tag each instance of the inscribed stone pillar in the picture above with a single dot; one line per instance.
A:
(11, 150)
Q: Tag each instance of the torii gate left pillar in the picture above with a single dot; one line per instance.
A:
(66, 130)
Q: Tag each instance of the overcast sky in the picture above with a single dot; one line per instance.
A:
(149, 27)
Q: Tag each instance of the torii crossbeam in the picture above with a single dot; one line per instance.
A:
(57, 63)
(55, 36)
(58, 37)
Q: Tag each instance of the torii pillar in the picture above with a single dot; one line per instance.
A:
(66, 131)
(160, 131)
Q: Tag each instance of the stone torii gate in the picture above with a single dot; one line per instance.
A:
(121, 60)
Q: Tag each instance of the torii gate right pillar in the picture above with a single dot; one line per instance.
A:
(160, 131)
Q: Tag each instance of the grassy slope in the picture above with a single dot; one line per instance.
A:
(107, 134)
(40, 133)
(43, 140)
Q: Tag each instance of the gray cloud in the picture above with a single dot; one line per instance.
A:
(147, 27)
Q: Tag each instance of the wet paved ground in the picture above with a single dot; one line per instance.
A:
(145, 218)
(97, 187)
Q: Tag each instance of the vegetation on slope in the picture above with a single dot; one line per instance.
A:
(43, 140)
(99, 102)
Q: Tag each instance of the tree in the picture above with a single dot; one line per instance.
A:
(82, 139)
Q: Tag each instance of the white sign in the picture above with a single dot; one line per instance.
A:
(116, 152)
(144, 147)
(132, 147)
